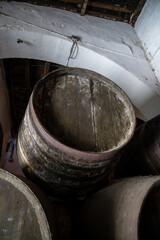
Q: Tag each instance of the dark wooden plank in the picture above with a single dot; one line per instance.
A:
(137, 11)
(46, 68)
(110, 116)
(109, 7)
(71, 112)
(84, 7)
(106, 15)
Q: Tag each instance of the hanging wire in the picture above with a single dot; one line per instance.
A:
(74, 49)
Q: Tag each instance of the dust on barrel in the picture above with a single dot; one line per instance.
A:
(75, 123)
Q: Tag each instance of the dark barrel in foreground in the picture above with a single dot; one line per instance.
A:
(128, 209)
(75, 123)
(22, 215)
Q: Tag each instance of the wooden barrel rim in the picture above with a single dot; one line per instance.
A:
(22, 187)
(56, 142)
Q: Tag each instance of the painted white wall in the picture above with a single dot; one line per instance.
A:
(107, 47)
(148, 30)
(4, 110)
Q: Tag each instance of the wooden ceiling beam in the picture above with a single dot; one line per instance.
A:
(98, 5)
(46, 68)
(109, 7)
(105, 15)
(84, 7)
(137, 12)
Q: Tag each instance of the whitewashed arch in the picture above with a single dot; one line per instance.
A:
(24, 39)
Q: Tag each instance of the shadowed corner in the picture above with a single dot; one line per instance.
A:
(1, 138)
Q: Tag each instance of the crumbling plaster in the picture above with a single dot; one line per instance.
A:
(107, 47)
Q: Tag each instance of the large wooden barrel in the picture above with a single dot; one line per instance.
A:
(75, 123)
(141, 156)
(21, 213)
(128, 209)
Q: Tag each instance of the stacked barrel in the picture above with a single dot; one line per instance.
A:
(76, 136)
(75, 124)
(23, 215)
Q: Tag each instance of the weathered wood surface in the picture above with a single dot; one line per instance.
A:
(21, 214)
(85, 113)
(83, 7)
(128, 209)
(75, 123)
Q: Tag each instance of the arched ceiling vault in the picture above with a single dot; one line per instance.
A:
(109, 48)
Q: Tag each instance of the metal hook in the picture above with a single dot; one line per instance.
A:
(74, 49)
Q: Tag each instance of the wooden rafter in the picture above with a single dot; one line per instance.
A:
(105, 15)
(98, 5)
(46, 67)
(84, 7)
(137, 12)
(109, 7)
